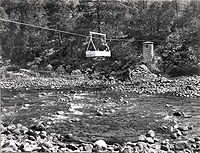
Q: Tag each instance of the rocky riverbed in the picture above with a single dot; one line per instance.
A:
(142, 83)
(145, 82)
(111, 116)
(19, 138)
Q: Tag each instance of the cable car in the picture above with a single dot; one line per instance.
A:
(102, 50)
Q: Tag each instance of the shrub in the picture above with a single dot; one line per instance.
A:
(13, 68)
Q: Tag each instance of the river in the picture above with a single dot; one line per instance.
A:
(91, 114)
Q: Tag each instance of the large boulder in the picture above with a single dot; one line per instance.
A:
(141, 73)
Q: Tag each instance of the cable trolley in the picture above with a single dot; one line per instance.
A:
(102, 50)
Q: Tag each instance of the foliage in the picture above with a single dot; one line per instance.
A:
(126, 23)
(13, 68)
(178, 57)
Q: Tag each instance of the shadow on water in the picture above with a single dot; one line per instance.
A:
(91, 114)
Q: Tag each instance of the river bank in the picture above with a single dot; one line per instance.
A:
(142, 83)
(19, 138)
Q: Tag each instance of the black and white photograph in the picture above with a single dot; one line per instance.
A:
(100, 76)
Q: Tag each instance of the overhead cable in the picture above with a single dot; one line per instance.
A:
(55, 30)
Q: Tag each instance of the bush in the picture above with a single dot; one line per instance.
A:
(13, 68)
(178, 57)
(186, 71)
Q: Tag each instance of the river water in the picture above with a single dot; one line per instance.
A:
(92, 114)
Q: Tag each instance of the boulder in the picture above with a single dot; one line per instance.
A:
(181, 145)
(100, 144)
(16, 131)
(151, 133)
(150, 140)
(7, 150)
(165, 147)
(183, 128)
(142, 138)
(142, 145)
(72, 146)
(88, 147)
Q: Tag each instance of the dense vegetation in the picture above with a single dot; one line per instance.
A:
(173, 26)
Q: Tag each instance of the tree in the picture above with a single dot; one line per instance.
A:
(24, 49)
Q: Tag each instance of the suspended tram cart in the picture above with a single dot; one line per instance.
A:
(102, 50)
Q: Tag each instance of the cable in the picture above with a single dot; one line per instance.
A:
(50, 29)
(61, 31)
(67, 32)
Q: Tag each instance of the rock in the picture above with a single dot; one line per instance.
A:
(112, 111)
(45, 149)
(27, 147)
(7, 150)
(198, 142)
(32, 133)
(116, 146)
(184, 133)
(156, 139)
(141, 145)
(193, 145)
(81, 148)
(72, 146)
(6, 132)
(178, 114)
(142, 138)
(11, 127)
(110, 149)
(54, 148)
(187, 116)
(61, 144)
(151, 150)
(183, 128)
(100, 144)
(165, 147)
(32, 138)
(179, 133)
(88, 147)
(43, 134)
(197, 138)
(151, 133)
(99, 113)
(58, 136)
(187, 151)
(48, 144)
(65, 149)
(39, 127)
(149, 140)
(127, 149)
(181, 145)
(130, 143)
(75, 120)
(191, 140)
(60, 113)
(174, 136)
(155, 146)
(11, 144)
(18, 125)
(16, 131)
(190, 127)
(72, 92)
(24, 129)
(170, 151)
(3, 128)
